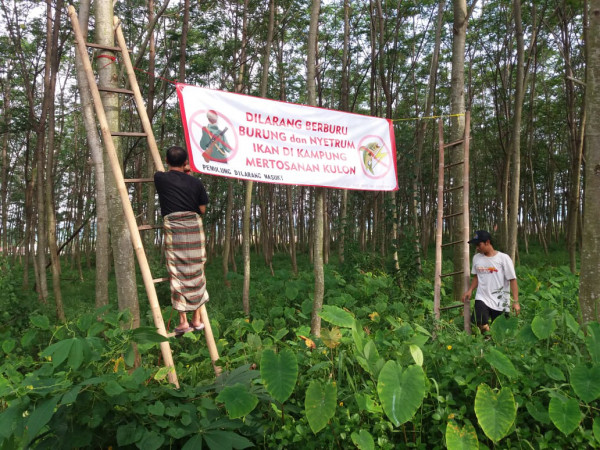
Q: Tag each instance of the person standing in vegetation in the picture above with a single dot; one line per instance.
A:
(494, 274)
(182, 200)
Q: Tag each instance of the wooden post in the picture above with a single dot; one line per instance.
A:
(123, 194)
(137, 95)
(466, 218)
(437, 290)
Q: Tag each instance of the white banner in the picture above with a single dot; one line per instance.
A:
(253, 138)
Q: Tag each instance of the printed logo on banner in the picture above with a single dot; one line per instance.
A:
(213, 135)
(374, 157)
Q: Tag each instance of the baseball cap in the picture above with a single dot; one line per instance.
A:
(480, 236)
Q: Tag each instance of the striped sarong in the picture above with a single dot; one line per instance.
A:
(185, 251)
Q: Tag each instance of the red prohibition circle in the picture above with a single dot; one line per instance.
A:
(195, 123)
(362, 146)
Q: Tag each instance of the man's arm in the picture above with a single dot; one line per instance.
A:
(514, 289)
(202, 209)
(474, 284)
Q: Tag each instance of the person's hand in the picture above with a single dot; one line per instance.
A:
(466, 296)
(516, 307)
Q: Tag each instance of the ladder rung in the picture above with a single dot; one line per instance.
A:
(451, 273)
(149, 227)
(116, 90)
(128, 133)
(453, 188)
(452, 144)
(160, 280)
(105, 47)
(448, 166)
(453, 215)
(139, 180)
(458, 305)
(452, 243)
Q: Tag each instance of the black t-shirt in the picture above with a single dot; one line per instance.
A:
(178, 191)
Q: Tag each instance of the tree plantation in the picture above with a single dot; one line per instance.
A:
(335, 317)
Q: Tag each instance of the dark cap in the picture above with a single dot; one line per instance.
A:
(480, 236)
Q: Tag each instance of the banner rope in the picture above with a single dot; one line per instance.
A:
(429, 117)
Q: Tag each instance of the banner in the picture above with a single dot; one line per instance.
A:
(253, 138)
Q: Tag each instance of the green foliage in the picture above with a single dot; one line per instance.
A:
(380, 377)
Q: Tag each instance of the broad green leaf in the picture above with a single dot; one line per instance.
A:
(370, 359)
(291, 292)
(592, 341)
(59, 351)
(503, 328)
(238, 401)
(151, 441)
(596, 428)
(464, 438)
(258, 325)
(71, 395)
(401, 392)
(565, 414)
(147, 335)
(363, 440)
(573, 325)
(495, 413)
(279, 373)
(157, 409)
(320, 404)
(554, 372)
(41, 322)
(40, 416)
(194, 443)
(543, 325)
(224, 440)
(162, 373)
(337, 316)
(331, 338)
(113, 388)
(9, 418)
(586, 382)
(417, 354)
(76, 354)
(501, 363)
(538, 412)
(8, 345)
(126, 434)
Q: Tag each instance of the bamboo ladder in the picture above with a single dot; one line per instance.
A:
(442, 189)
(134, 229)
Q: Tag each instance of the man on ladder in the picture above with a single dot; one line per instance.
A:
(182, 200)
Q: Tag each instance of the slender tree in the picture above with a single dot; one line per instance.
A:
(589, 288)
(122, 250)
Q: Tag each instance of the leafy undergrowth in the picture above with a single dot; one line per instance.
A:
(383, 373)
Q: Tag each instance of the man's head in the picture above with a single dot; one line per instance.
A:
(176, 156)
(212, 116)
(482, 240)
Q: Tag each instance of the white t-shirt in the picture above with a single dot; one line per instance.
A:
(493, 275)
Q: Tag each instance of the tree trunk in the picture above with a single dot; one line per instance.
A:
(6, 114)
(119, 233)
(589, 288)
(95, 146)
(457, 106)
(52, 55)
(315, 322)
(227, 236)
(515, 182)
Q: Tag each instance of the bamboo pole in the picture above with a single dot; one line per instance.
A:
(137, 95)
(123, 194)
(437, 289)
(466, 223)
